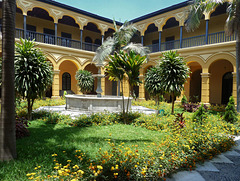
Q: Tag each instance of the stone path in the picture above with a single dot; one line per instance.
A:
(224, 167)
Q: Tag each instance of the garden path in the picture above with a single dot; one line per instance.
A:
(224, 167)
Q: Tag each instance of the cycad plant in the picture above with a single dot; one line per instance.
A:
(174, 73)
(33, 73)
(152, 83)
(232, 25)
(85, 81)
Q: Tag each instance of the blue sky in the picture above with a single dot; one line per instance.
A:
(120, 10)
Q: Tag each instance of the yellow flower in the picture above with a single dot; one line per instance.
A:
(29, 174)
(100, 167)
(112, 168)
(69, 161)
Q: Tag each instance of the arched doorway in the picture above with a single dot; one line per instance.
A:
(193, 86)
(220, 70)
(227, 86)
(66, 81)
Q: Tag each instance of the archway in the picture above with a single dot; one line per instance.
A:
(91, 31)
(110, 86)
(39, 15)
(67, 78)
(195, 83)
(94, 70)
(172, 34)
(88, 43)
(219, 74)
(227, 87)
(151, 38)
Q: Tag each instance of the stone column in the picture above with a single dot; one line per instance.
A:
(102, 39)
(234, 90)
(206, 36)
(181, 30)
(55, 85)
(142, 39)
(141, 88)
(159, 40)
(55, 25)
(103, 81)
(205, 97)
(81, 40)
(24, 26)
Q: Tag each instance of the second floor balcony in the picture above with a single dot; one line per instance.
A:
(200, 40)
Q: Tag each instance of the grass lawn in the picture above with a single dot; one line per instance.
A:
(47, 139)
(149, 147)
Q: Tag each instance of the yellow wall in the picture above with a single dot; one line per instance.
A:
(68, 66)
(217, 70)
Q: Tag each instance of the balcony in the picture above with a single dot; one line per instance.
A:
(200, 40)
(50, 39)
(213, 38)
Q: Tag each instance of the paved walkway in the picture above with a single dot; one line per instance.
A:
(224, 167)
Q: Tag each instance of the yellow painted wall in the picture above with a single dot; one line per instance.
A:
(217, 70)
(70, 67)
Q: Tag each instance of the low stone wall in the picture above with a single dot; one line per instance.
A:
(94, 103)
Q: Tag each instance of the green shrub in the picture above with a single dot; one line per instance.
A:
(230, 114)
(200, 115)
(85, 81)
(184, 100)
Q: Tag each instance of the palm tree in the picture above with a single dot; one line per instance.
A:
(116, 72)
(119, 41)
(132, 63)
(7, 122)
(174, 73)
(232, 25)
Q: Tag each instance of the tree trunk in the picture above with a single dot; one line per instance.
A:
(173, 97)
(123, 100)
(7, 122)
(30, 105)
(238, 58)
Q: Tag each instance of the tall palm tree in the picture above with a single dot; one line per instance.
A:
(119, 41)
(7, 122)
(232, 25)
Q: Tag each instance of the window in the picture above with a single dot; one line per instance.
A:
(66, 81)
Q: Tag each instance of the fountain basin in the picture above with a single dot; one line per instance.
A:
(96, 104)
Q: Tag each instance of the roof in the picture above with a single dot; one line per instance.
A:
(161, 11)
(61, 5)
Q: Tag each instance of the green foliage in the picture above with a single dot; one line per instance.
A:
(174, 73)
(200, 115)
(64, 94)
(230, 114)
(152, 83)
(33, 73)
(85, 81)
(184, 100)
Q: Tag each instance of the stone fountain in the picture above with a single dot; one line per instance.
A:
(96, 103)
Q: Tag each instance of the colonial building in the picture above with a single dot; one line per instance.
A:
(69, 38)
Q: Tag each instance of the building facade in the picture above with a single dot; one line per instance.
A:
(69, 38)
